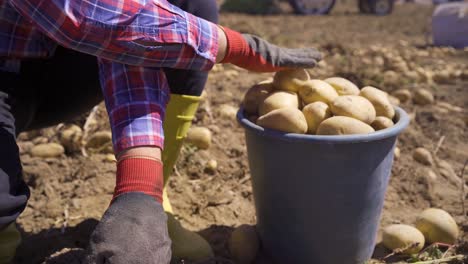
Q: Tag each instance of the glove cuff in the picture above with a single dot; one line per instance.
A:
(237, 46)
(139, 174)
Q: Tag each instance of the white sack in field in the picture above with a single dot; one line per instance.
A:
(450, 25)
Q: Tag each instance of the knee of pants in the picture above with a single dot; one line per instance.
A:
(14, 193)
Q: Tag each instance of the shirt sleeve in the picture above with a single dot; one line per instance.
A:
(149, 33)
(136, 99)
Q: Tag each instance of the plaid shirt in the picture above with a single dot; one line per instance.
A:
(133, 40)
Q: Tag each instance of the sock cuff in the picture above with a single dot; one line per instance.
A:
(236, 45)
(139, 174)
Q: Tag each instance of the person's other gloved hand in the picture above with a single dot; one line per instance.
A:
(132, 230)
(256, 54)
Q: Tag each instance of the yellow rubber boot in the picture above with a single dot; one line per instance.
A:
(10, 238)
(180, 111)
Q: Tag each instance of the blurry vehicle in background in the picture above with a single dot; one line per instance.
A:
(450, 25)
(438, 2)
(306, 7)
(321, 7)
(377, 7)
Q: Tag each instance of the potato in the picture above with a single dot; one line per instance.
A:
(403, 237)
(354, 106)
(227, 111)
(343, 86)
(314, 114)
(317, 91)
(403, 95)
(211, 166)
(277, 100)
(450, 107)
(379, 100)
(393, 100)
(423, 97)
(397, 152)
(289, 120)
(70, 138)
(437, 226)
(423, 156)
(256, 95)
(199, 137)
(47, 150)
(187, 244)
(343, 125)
(382, 122)
(288, 80)
(244, 244)
(99, 139)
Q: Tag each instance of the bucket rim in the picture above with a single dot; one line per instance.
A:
(400, 114)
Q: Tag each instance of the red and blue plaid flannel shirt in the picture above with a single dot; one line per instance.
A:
(133, 40)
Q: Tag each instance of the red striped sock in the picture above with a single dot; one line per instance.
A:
(136, 174)
(239, 52)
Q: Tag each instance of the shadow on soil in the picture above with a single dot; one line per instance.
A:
(36, 247)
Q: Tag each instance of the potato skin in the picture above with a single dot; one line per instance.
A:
(256, 95)
(343, 125)
(343, 86)
(199, 137)
(382, 122)
(379, 100)
(423, 97)
(401, 236)
(354, 106)
(314, 114)
(289, 120)
(437, 226)
(288, 80)
(317, 91)
(277, 100)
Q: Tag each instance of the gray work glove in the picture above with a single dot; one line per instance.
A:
(256, 54)
(133, 230)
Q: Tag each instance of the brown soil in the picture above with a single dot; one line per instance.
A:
(70, 193)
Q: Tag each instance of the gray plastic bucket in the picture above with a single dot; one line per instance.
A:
(319, 198)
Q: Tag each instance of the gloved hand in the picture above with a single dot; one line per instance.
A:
(255, 54)
(133, 230)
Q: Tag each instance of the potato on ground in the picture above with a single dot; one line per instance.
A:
(314, 114)
(423, 156)
(289, 120)
(70, 137)
(317, 91)
(354, 106)
(343, 86)
(199, 137)
(379, 100)
(382, 122)
(187, 244)
(277, 100)
(289, 80)
(403, 237)
(423, 97)
(397, 152)
(403, 95)
(47, 150)
(343, 125)
(437, 226)
(256, 95)
(244, 244)
(99, 139)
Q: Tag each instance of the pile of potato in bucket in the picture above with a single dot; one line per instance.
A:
(334, 106)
